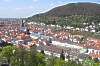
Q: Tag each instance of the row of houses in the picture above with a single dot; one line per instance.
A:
(41, 34)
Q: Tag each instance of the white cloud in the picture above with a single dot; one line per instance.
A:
(24, 8)
(35, 0)
(30, 7)
(7, 0)
(52, 4)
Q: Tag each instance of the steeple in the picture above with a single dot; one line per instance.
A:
(22, 24)
(24, 27)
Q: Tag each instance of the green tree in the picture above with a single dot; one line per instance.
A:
(88, 62)
(59, 62)
(8, 52)
(40, 59)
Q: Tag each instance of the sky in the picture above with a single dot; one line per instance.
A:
(26, 8)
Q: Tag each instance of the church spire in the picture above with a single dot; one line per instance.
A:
(22, 24)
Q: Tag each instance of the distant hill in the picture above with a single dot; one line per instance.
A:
(75, 9)
(82, 12)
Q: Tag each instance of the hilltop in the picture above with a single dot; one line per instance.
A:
(72, 14)
(75, 9)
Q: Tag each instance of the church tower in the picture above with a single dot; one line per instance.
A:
(24, 27)
(23, 23)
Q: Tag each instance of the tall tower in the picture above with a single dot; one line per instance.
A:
(23, 23)
(24, 27)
